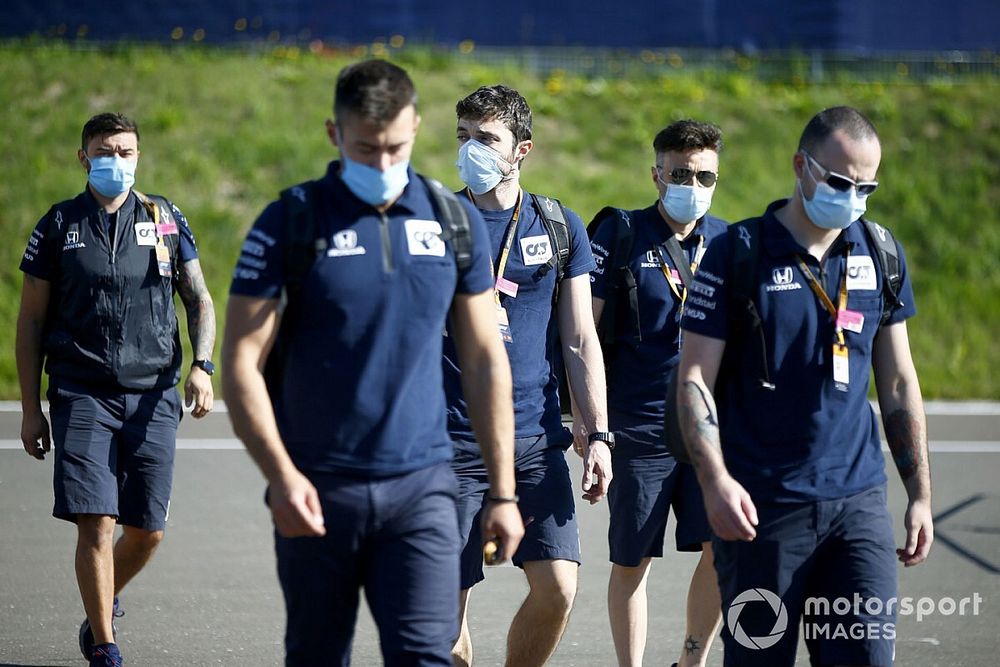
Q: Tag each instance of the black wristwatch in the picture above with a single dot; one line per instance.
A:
(205, 365)
(603, 436)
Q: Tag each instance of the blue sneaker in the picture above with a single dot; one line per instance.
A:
(106, 655)
(87, 635)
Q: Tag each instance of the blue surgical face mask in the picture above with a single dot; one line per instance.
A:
(686, 203)
(830, 209)
(371, 185)
(480, 167)
(111, 175)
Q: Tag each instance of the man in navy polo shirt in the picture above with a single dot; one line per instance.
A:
(97, 305)
(531, 304)
(355, 448)
(648, 481)
(790, 463)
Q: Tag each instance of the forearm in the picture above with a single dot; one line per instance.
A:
(585, 371)
(906, 432)
(28, 356)
(488, 390)
(199, 308)
(700, 429)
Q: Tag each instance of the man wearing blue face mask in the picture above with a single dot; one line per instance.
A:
(353, 277)
(541, 299)
(97, 305)
(777, 420)
(643, 342)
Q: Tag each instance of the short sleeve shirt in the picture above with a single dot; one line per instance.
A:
(809, 438)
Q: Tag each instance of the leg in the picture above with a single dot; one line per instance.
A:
(461, 653)
(704, 612)
(95, 573)
(627, 611)
(132, 551)
(539, 623)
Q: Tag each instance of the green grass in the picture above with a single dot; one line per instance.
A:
(224, 131)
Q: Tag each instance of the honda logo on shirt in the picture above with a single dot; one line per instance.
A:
(782, 276)
(345, 240)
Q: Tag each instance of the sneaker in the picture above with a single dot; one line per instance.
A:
(87, 635)
(106, 655)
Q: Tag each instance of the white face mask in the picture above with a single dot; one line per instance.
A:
(830, 209)
(480, 167)
(686, 203)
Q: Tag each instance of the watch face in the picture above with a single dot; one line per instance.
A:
(206, 366)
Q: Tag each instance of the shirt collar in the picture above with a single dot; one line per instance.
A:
(95, 208)
(659, 230)
(348, 204)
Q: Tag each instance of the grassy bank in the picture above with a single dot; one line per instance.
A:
(224, 131)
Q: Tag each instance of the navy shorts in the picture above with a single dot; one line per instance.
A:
(395, 537)
(114, 452)
(647, 482)
(830, 564)
(546, 503)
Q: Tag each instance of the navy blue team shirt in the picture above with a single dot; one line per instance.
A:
(534, 348)
(643, 356)
(362, 391)
(805, 440)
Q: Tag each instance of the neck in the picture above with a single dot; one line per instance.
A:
(816, 240)
(678, 230)
(500, 198)
(109, 204)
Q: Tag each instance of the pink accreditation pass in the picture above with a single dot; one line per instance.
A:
(851, 320)
(508, 287)
(166, 228)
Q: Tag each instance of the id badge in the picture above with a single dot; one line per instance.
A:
(508, 287)
(504, 325)
(841, 367)
(851, 320)
(163, 260)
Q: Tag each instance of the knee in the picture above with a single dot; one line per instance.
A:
(557, 593)
(95, 531)
(144, 540)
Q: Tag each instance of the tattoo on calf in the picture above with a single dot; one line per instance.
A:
(691, 645)
(903, 432)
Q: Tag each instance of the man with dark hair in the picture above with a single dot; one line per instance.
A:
(541, 299)
(786, 444)
(97, 305)
(669, 239)
(352, 439)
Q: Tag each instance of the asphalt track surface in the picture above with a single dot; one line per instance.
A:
(211, 597)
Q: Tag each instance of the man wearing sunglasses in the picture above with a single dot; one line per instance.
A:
(791, 468)
(670, 238)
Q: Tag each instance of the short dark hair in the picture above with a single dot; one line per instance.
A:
(107, 123)
(828, 121)
(374, 90)
(501, 103)
(688, 135)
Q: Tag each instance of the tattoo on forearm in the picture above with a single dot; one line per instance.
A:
(699, 423)
(904, 432)
(691, 645)
(200, 310)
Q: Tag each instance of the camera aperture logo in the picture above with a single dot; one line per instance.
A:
(753, 596)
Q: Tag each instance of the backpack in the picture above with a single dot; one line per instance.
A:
(620, 277)
(744, 320)
(302, 246)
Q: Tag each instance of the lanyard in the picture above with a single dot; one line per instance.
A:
(508, 242)
(825, 300)
(664, 268)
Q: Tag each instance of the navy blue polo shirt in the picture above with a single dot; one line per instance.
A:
(644, 354)
(806, 439)
(362, 391)
(533, 318)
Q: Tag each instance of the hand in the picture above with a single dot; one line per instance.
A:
(596, 471)
(919, 524)
(35, 428)
(295, 506)
(198, 392)
(503, 521)
(579, 437)
(730, 510)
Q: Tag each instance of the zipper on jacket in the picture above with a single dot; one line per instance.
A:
(387, 263)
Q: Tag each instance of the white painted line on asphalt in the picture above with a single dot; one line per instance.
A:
(938, 446)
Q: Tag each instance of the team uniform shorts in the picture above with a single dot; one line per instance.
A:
(647, 483)
(837, 554)
(114, 452)
(546, 503)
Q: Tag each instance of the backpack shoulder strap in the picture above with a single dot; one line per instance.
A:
(557, 228)
(455, 227)
(157, 207)
(299, 236)
(743, 315)
(889, 264)
(619, 275)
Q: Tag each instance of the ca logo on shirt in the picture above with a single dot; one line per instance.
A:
(861, 273)
(145, 233)
(535, 250)
(423, 237)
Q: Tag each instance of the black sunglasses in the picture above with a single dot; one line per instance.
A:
(842, 183)
(683, 175)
